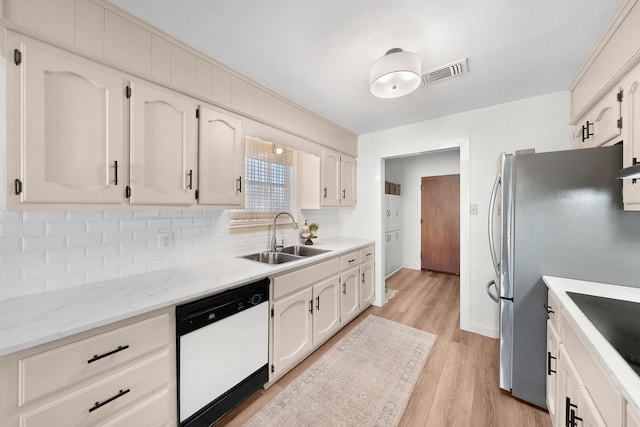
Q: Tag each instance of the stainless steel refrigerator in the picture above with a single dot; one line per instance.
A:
(560, 214)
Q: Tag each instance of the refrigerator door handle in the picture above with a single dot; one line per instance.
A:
(492, 243)
(493, 296)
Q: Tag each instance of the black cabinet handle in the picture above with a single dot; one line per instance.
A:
(344, 288)
(102, 356)
(311, 306)
(570, 413)
(362, 277)
(548, 309)
(111, 399)
(190, 179)
(115, 167)
(239, 188)
(325, 192)
(318, 303)
(549, 357)
(589, 131)
(344, 194)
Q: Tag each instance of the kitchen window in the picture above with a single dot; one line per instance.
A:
(269, 183)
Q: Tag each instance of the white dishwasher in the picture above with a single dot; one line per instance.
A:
(223, 352)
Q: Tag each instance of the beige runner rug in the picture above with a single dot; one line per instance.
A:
(365, 379)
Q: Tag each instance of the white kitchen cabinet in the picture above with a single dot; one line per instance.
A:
(553, 344)
(162, 146)
(292, 330)
(366, 291)
(633, 417)
(393, 212)
(578, 408)
(347, 180)
(631, 136)
(337, 179)
(349, 299)
(326, 309)
(602, 124)
(221, 160)
(65, 127)
(330, 178)
(110, 376)
(393, 251)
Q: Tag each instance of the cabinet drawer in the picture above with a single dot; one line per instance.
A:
(154, 411)
(349, 260)
(104, 398)
(553, 309)
(63, 366)
(290, 282)
(605, 395)
(367, 254)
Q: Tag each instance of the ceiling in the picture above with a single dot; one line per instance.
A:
(318, 53)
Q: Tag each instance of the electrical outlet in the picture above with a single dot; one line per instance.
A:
(166, 240)
(474, 210)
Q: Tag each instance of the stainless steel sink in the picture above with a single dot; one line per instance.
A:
(304, 251)
(288, 254)
(269, 257)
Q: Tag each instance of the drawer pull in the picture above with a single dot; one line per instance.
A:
(111, 399)
(117, 350)
(549, 310)
(351, 260)
(549, 357)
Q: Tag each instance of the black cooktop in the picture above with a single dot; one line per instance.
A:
(617, 320)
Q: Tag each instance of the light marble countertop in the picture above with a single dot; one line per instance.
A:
(32, 320)
(617, 368)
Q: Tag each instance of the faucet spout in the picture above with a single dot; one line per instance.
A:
(274, 245)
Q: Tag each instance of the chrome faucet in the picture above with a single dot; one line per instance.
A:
(274, 246)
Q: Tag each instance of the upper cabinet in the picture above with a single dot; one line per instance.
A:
(221, 160)
(65, 127)
(338, 179)
(631, 136)
(163, 146)
(604, 99)
(602, 124)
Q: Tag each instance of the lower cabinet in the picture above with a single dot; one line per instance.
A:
(553, 343)
(349, 301)
(309, 305)
(119, 375)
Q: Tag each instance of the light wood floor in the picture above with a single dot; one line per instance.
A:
(458, 385)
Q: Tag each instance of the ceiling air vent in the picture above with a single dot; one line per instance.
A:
(445, 72)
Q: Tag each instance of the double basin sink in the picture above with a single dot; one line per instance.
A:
(288, 254)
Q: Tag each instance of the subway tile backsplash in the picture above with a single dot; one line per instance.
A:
(45, 251)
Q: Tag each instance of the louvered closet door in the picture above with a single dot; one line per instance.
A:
(163, 147)
(71, 128)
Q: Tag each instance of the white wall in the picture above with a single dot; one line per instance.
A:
(541, 122)
(408, 171)
(45, 251)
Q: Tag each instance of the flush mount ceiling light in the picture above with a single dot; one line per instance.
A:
(396, 74)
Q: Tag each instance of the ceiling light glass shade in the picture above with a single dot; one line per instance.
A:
(395, 74)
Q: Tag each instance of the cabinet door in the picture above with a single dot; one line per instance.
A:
(349, 297)
(65, 123)
(163, 147)
(387, 212)
(366, 284)
(396, 249)
(631, 136)
(603, 126)
(633, 418)
(347, 180)
(221, 160)
(326, 315)
(573, 400)
(292, 329)
(552, 373)
(330, 178)
(388, 254)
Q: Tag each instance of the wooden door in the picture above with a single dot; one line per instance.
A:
(292, 329)
(326, 309)
(330, 178)
(65, 118)
(163, 147)
(441, 223)
(347, 180)
(221, 167)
